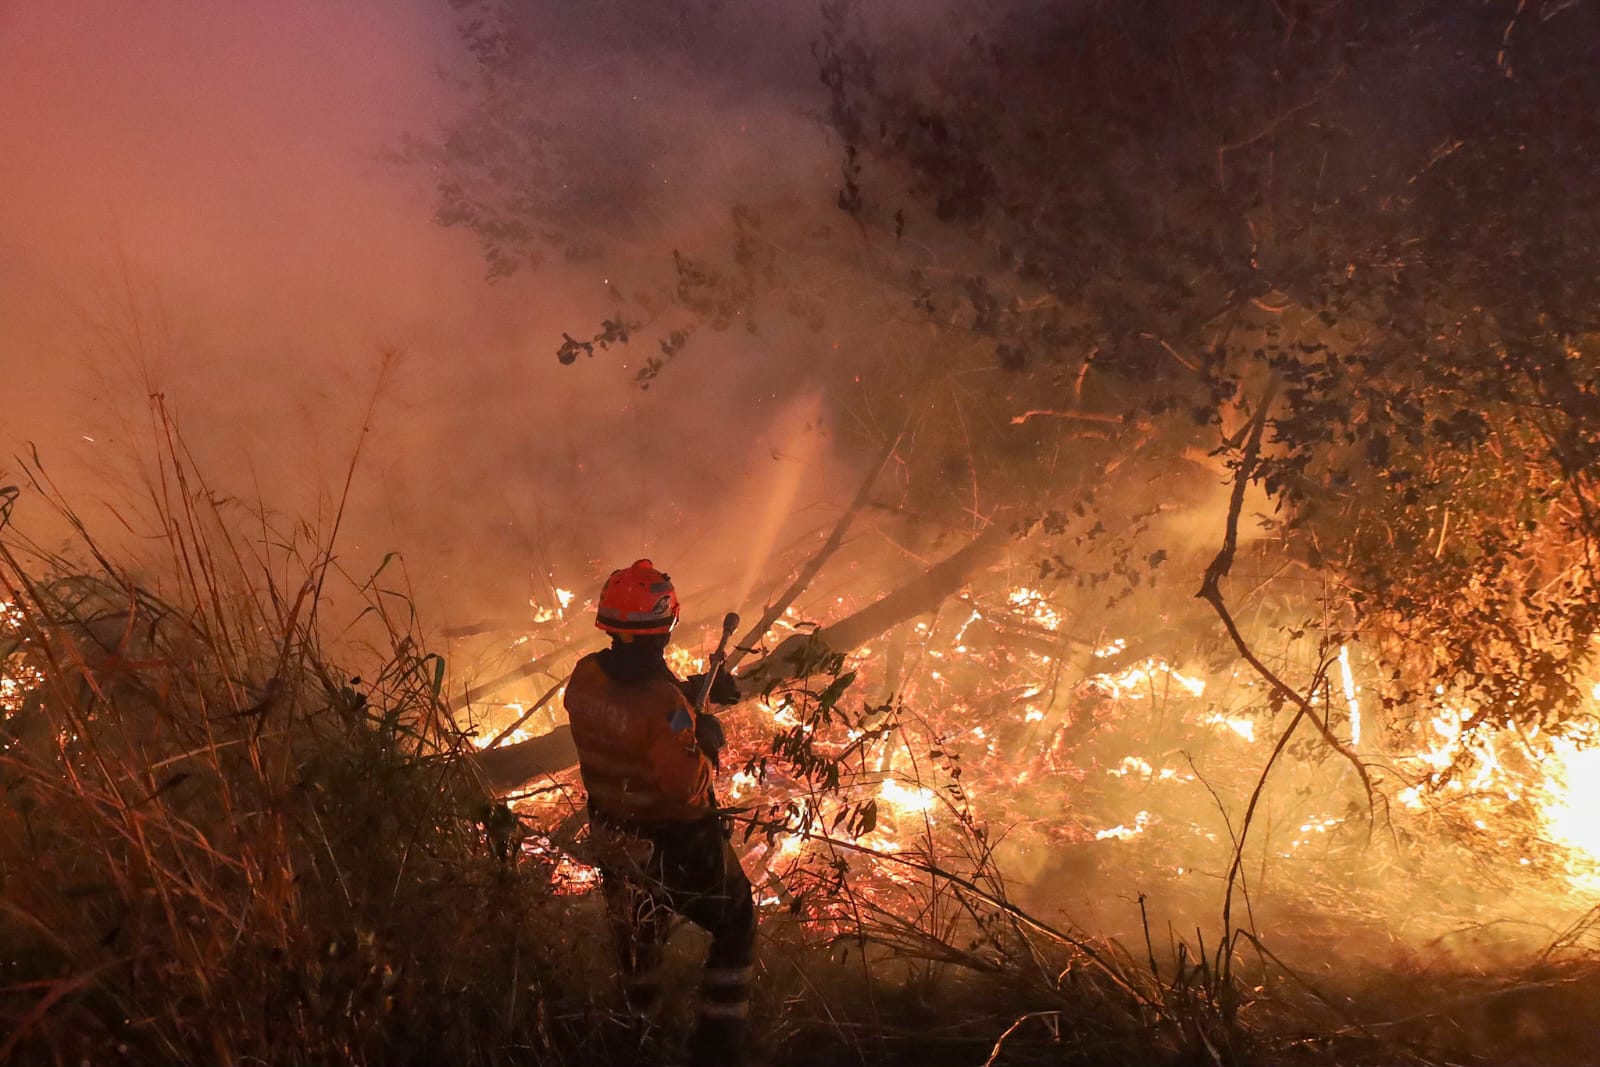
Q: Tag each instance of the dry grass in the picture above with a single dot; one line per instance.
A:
(218, 845)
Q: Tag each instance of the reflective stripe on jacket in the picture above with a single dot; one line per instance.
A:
(636, 746)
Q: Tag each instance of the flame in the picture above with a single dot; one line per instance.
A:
(684, 661)
(1557, 776)
(1033, 604)
(1133, 681)
(741, 783)
(1245, 728)
(545, 613)
(1002, 713)
(1132, 765)
(913, 801)
(1106, 651)
(1123, 832)
(1569, 815)
(1347, 677)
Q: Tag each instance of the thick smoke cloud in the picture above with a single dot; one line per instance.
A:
(203, 201)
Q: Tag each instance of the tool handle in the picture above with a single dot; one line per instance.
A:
(730, 623)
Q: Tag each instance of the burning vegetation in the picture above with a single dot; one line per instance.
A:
(979, 805)
(1203, 670)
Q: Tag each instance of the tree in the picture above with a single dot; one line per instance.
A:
(1241, 206)
(1143, 225)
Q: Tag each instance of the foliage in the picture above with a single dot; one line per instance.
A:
(1420, 281)
(1107, 257)
(1134, 221)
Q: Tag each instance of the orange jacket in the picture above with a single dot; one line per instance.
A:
(636, 747)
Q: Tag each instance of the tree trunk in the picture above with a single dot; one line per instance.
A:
(510, 766)
(800, 654)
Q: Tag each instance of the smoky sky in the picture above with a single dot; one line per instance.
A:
(219, 203)
(205, 201)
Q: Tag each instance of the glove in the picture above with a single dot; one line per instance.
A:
(710, 737)
(724, 690)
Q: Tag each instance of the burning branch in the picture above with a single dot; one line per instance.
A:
(510, 766)
(533, 710)
(1081, 416)
(798, 655)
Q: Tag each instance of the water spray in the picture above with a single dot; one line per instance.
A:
(795, 444)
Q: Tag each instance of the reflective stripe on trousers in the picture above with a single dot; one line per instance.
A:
(725, 992)
(692, 872)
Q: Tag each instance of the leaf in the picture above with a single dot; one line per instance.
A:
(437, 684)
(830, 696)
(571, 347)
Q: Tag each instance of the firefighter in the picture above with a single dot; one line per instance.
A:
(647, 760)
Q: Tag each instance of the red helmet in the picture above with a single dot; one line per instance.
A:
(638, 600)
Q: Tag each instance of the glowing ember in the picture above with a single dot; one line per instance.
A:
(568, 876)
(1123, 832)
(19, 679)
(961, 634)
(1032, 603)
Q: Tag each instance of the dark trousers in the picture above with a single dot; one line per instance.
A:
(690, 870)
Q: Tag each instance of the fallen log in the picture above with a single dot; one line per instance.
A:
(510, 766)
(801, 654)
(516, 674)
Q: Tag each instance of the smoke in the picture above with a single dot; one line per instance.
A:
(198, 209)
(202, 200)
(204, 203)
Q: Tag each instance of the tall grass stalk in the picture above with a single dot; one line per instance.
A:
(217, 845)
